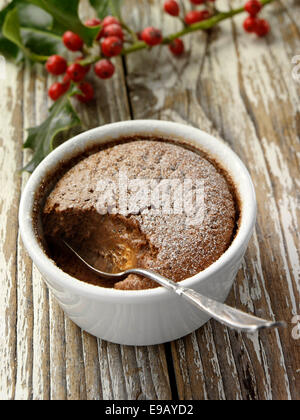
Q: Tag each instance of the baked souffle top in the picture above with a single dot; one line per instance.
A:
(172, 241)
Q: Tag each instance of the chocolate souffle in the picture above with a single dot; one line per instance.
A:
(167, 243)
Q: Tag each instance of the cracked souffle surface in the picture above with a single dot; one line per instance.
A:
(168, 239)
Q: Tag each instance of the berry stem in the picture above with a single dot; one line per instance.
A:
(204, 25)
(130, 31)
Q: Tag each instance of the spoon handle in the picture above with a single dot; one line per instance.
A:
(231, 317)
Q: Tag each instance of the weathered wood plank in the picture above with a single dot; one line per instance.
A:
(169, 91)
(24, 331)
(234, 88)
(153, 371)
(247, 126)
(276, 125)
(10, 181)
(46, 355)
(262, 86)
(41, 386)
(92, 367)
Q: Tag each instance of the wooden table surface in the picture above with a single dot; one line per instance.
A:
(228, 83)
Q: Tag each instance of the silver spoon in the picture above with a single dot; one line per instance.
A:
(231, 317)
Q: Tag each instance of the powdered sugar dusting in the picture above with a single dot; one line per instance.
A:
(183, 249)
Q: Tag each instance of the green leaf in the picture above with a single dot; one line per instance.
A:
(12, 31)
(107, 7)
(66, 14)
(35, 29)
(115, 7)
(41, 139)
(5, 10)
(101, 7)
(42, 43)
(36, 33)
(8, 48)
(31, 16)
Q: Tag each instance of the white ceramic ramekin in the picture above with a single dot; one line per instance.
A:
(149, 316)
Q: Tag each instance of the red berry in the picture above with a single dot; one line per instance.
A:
(76, 72)
(56, 65)
(177, 47)
(192, 17)
(111, 46)
(205, 14)
(250, 24)
(93, 22)
(197, 1)
(66, 82)
(88, 92)
(66, 79)
(152, 36)
(104, 69)
(195, 16)
(109, 20)
(100, 35)
(56, 91)
(72, 41)
(113, 30)
(253, 7)
(262, 27)
(86, 68)
(172, 8)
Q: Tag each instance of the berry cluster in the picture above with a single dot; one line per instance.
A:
(194, 16)
(110, 38)
(252, 23)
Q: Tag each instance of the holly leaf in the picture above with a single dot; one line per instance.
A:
(101, 7)
(37, 44)
(41, 139)
(42, 43)
(30, 31)
(107, 7)
(8, 48)
(34, 27)
(66, 14)
(31, 16)
(11, 30)
(115, 7)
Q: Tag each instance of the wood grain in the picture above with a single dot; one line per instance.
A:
(43, 354)
(236, 87)
(242, 87)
